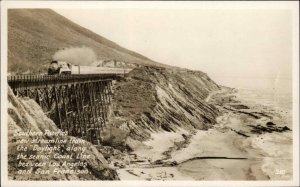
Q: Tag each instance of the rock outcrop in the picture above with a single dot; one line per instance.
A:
(157, 99)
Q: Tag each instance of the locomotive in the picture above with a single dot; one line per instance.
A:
(65, 68)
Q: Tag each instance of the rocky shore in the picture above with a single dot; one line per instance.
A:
(248, 142)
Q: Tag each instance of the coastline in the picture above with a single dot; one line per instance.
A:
(239, 147)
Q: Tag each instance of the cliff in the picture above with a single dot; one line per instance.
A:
(157, 99)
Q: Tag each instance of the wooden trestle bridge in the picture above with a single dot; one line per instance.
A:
(76, 103)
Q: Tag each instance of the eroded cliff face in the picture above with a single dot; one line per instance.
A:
(154, 99)
(25, 115)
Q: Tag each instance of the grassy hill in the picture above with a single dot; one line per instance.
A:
(34, 35)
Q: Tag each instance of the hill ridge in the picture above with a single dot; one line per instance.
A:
(34, 35)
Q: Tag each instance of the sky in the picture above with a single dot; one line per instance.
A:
(226, 43)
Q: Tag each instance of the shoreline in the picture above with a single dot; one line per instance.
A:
(201, 154)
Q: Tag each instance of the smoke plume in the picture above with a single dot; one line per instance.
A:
(76, 55)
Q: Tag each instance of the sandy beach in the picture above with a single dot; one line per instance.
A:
(250, 141)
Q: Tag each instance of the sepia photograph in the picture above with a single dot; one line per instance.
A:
(173, 93)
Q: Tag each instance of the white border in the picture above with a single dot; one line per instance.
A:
(291, 5)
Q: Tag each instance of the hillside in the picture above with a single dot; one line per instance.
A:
(34, 35)
(153, 99)
(25, 115)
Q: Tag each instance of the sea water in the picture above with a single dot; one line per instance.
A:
(266, 91)
(276, 163)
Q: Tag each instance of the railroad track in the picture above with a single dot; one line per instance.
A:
(78, 104)
(24, 82)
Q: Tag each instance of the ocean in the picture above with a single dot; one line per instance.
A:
(276, 93)
(270, 154)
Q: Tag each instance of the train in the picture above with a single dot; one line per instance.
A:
(65, 68)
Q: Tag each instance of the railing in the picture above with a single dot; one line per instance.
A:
(21, 82)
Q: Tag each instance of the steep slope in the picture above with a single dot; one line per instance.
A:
(158, 99)
(25, 115)
(34, 35)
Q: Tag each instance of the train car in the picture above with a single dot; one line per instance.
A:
(62, 67)
(59, 67)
